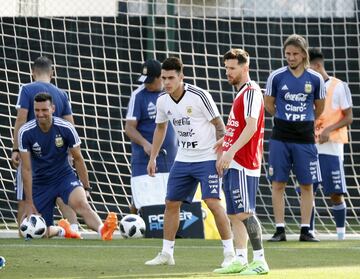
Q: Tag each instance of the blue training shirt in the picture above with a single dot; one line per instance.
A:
(294, 101)
(49, 151)
(28, 92)
(142, 108)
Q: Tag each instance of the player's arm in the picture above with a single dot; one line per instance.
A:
(69, 118)
(134, 135)
(246, 134)
(158, 139)
(26, 173)
(220, 132)
(319, 107)
(269, 103)
(20, 120)
(80, 166)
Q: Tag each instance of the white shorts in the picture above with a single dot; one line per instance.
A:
(147, 190)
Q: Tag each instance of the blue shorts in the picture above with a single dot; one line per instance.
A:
(300, 158)
(332, 174)
(240, 191)
(44, 196)
(184, 178)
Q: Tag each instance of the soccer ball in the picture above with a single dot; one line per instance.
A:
(132, 226)
(2, 262)
(33, 227)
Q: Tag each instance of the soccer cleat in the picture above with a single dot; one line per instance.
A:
(277, 237)
(229, 257)
(308, 237)
(69, 233)
(162, 258)
(234, 267)
(109, 227)
(256, 268)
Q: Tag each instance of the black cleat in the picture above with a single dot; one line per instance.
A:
(308, 237)
(277, 237)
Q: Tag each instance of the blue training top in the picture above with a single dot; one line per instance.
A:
(49, 151)
(28, 92)
(142, 107)
(294, 101)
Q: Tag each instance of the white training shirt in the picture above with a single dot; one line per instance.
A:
(190, 116)
(341, 100)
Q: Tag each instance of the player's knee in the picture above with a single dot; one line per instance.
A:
(214, 205)
(337, 198)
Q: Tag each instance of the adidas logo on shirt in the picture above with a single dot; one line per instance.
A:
(214, 191)
(284, 87)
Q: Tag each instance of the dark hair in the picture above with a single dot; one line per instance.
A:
(43, 64)
(172, 63)
(43, 97)
(300, 42)
(315, 53)
(236, 53)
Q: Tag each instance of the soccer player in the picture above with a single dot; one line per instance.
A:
(42, 74)
(331, 134)
(197, 123)
(295, 97)
(44, 144)
(139, 127)
(241, 160)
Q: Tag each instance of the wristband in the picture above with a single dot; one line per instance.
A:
(15, 150)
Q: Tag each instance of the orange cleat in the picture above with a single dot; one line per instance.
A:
(109, 227)
(69, 233)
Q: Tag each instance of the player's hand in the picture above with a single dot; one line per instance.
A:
(147, 148)
(218, 145)
(15, 158)
(226, 159)
(151, 167)
(29, 209)
(324, 136)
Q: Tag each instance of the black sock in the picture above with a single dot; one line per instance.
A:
(280, 229)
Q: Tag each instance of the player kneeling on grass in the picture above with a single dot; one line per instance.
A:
(44, 144)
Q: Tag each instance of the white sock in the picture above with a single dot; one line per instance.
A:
(341, 233)
(74, 227)
(100, 228)
(228, 245)
(259, 255)
(242, 255)
(282, 225)
(168, 247)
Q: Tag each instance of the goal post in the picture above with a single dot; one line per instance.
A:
(98, 48)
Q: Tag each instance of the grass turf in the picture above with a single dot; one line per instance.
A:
(80, 259)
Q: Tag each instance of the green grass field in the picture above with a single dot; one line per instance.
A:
(80, 259)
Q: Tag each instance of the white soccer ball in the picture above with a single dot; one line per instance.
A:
(132, 226)
(33, 227)
(2, 262)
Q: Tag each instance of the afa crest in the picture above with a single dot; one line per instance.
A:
(308, 87)
(189, 110)
(59, 142)
(144, 71)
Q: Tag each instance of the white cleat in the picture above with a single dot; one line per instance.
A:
(162, 259)
(229, 258)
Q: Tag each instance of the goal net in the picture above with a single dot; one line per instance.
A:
(98, 48)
